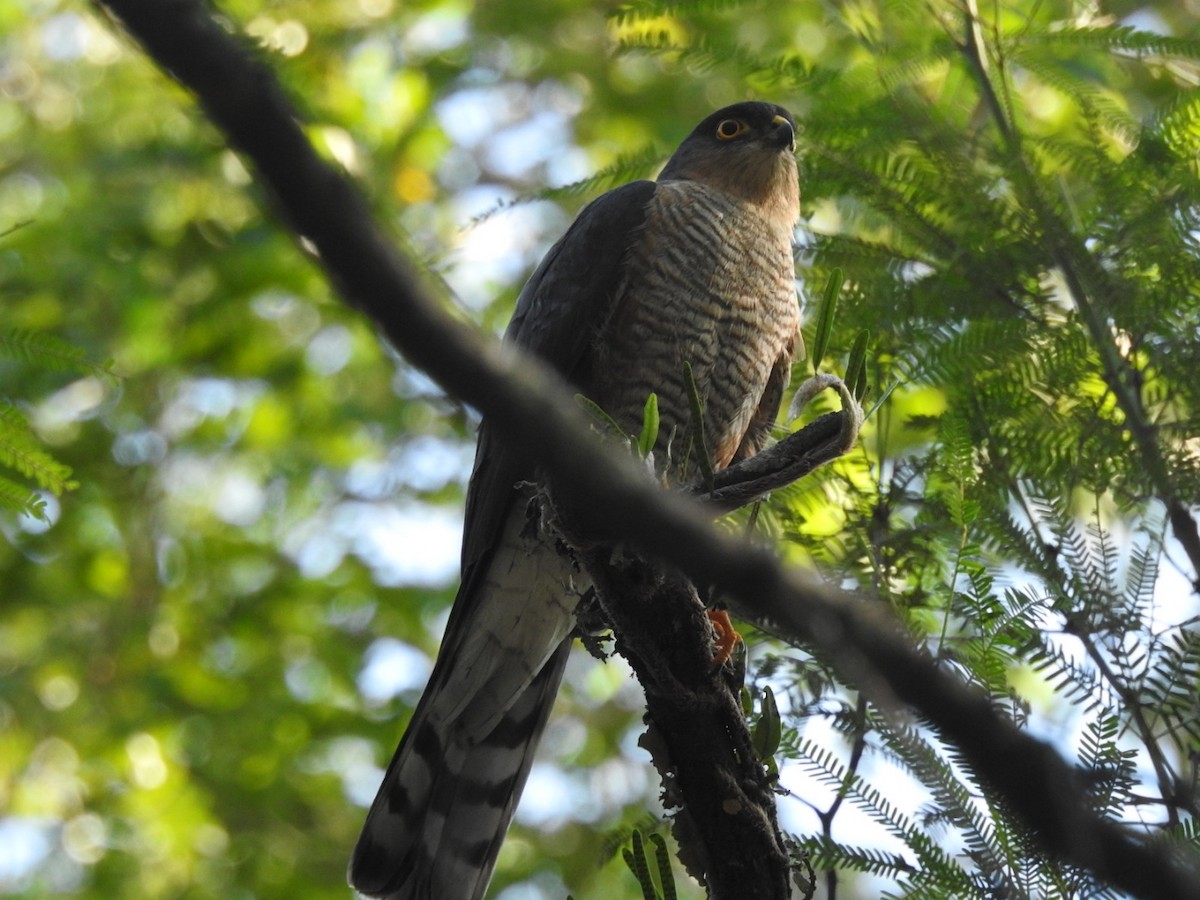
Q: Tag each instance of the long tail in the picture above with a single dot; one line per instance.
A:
(436, 825)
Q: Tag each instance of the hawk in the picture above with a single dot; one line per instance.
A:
(694, 268)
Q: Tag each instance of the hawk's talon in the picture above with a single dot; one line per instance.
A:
(725, 637)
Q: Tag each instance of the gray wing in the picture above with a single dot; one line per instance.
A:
(449, 793)
(557, 317)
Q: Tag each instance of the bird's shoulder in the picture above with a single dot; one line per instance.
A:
(582, 270)
(559, 311)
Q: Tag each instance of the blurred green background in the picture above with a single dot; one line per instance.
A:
(209, 649)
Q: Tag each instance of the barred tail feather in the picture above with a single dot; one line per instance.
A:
(435, 828)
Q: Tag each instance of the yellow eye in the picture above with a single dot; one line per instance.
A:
(728, 129)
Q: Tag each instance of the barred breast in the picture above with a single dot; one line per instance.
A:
(711, 283)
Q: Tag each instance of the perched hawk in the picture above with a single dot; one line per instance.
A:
(693, 268)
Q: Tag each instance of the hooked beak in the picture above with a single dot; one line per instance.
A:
(783, 133)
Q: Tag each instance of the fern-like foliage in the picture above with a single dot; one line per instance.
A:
(21, 452)
(45, 351)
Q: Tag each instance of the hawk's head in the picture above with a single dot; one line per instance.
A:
(747, 150)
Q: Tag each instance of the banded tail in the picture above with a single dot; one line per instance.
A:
(448, 796)
(435, 828)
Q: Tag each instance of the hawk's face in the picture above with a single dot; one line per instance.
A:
(747, 150)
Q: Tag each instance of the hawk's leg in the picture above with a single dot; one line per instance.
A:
(725, 637)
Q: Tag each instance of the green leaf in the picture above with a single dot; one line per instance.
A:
(666, 875)
(635, 859)
(20, 499)
(768, 729)
(856, 365)
(46, 351)
(826, 312)
(649, 434)
(607, 423)
(19, 450)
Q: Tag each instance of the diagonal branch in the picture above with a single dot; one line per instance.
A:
(531, 409)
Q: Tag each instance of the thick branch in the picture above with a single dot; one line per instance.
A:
(529, 407)
(725, 821)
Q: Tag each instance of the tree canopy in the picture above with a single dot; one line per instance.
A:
(222, 599)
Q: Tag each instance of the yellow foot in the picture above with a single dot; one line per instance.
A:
(725, 638)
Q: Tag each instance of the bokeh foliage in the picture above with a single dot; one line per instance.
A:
(183, 648)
